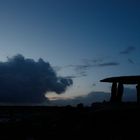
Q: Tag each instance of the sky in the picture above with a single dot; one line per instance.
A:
(82, 40)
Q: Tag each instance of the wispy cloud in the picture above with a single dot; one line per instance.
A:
(108, 64)
(93, 85)
(128, 50)
(130, 61)
(82, 67)
(71, 77)
(92, 61)
(88, 66)
(81, 70)
(57, 68)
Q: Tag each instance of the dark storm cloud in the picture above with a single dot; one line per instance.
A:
(128, 50)
(25, 80)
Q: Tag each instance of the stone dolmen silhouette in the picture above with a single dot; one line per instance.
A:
(117, 86)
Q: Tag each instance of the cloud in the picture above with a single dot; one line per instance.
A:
(81, 70)
(130, 61)
(25, 80)
(78, 75)
(82, 67)
(108, 64)
(128, 50)
(57, 68)
(92, 61)
(93, 85)
(71, 77)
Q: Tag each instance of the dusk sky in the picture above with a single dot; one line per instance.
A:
(85, 40)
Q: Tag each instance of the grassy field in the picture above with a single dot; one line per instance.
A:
(101, 121)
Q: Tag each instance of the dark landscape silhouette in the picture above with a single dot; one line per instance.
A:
(113, 120)
(23, 84)
(69, 69)
(100, 121)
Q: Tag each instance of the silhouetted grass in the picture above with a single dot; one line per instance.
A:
(101, 121)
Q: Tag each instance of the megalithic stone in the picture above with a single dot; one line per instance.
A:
(138, 93)
(128, 80)
(120, 92)
(113, 92)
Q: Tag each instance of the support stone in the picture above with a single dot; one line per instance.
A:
(113, 92)
(119, 92)
(138, 92)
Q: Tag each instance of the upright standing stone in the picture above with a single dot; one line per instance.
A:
(120, 92)
(117, 92)
(138, 93)
(113, 92)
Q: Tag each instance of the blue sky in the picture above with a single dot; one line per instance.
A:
(87, 40)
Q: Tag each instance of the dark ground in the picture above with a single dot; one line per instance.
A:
(101, 121)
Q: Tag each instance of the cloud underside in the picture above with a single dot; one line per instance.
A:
(24, 80)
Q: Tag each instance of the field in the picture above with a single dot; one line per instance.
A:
(101, 121)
